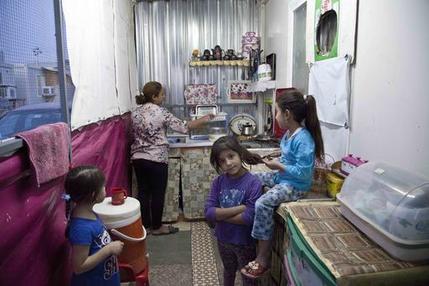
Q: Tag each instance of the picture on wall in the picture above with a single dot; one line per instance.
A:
(326, 29)
(237, 92)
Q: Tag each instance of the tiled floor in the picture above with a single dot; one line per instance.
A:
(186, 258)
(189, 257)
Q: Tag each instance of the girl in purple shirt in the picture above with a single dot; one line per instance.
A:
(231, 206)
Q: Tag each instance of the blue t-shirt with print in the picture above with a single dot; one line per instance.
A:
(94, 234)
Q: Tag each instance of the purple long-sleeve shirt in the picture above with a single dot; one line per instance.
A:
(229, 192)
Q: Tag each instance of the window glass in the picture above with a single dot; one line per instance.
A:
(29, 66)
(300, 69)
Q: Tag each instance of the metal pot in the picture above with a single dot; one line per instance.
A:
(248, 130)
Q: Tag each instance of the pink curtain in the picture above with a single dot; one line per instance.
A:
(33, 247)
(106, 146)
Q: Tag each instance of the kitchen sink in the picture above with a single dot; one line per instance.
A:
(176, 138)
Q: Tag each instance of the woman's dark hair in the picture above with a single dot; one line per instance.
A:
(150, 89)
(304, 109)
(231, 143)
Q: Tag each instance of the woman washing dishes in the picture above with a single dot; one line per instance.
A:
(149, 152)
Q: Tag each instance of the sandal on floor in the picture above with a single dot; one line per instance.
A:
(171, 230)
(253, 270)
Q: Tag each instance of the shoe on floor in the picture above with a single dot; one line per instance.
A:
(253, 270)
(171, 230)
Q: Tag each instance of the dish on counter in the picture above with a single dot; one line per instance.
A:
(238, 121)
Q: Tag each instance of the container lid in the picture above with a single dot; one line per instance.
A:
(114, 216)
(392, 200)
(204, 109)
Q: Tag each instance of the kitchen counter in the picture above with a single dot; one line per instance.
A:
(190, 143)
(190, 170)
(250, 145)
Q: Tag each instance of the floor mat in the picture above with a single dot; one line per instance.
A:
(203, 256)
(171, 275)
(169, 249)
(170, 262)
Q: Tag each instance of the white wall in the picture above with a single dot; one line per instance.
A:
(275, 33)
(390, 79)
(390, 84)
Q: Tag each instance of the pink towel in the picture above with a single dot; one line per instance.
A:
(48, 148)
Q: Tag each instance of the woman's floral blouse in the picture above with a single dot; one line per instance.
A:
(150, 122)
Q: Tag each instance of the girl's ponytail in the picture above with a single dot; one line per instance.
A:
(313, 125)
(250, 158)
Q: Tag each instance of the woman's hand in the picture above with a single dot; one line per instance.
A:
(208, 117)
(274, 164)
(200, 121)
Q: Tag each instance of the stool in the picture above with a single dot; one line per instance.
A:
(127, 275)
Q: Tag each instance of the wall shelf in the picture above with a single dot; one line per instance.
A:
(261, 86)
(240, 63)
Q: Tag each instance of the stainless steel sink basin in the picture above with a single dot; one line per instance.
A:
(176, 139)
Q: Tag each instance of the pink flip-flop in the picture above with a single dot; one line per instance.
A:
(254, 270)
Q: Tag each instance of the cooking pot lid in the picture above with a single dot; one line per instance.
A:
(238, 121)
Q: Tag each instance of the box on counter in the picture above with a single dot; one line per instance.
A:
(349, 163)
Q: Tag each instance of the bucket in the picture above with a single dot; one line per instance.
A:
(125, 224)
(333, 184)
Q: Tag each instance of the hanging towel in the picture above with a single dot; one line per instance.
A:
(329, 83)
(48, 148)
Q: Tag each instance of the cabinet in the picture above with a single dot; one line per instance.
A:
(190, 169)
(197, 175)
(171, 203)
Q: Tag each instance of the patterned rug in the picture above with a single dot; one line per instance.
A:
(204, 270)
(170, 263)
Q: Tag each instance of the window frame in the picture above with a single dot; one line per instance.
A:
(10, 146)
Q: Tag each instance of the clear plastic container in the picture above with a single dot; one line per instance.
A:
(216, 133)
(391, 206)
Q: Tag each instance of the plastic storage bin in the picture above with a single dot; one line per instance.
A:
(391, 206)
(304, 267)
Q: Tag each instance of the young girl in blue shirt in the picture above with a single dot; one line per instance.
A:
(94, 254)
(231, 206)
(293, 172)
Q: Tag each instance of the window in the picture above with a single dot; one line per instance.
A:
(28, 58)
(39, 85)
(300, 69)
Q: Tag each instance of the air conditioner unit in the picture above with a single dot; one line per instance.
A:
(48, 91)
(8, 92)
